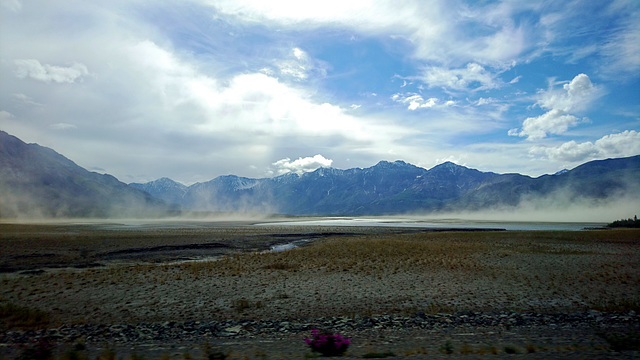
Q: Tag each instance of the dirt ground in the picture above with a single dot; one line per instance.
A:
(155, 273)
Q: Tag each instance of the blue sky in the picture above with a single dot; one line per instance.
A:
(196, 89)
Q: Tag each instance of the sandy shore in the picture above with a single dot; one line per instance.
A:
(349, 272)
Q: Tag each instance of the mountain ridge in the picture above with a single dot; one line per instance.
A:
(37, 181)
(399, 187)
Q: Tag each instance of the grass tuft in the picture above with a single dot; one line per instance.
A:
(21, 317)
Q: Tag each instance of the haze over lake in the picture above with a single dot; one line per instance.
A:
(439, 223)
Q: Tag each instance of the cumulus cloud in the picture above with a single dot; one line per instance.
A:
(576, 95)
(251, 104)
(626, 143)
(472, 77)
(32, 68)
(416, 101)
(301, 165)
(552, 122)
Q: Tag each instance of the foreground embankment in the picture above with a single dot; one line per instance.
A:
(406, 291)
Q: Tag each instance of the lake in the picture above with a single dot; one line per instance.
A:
(436, 223)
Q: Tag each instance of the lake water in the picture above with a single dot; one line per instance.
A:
(438, 223)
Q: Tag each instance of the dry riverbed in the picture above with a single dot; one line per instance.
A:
(411, 292)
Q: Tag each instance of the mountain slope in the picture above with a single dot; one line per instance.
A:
(36, 181)
(594, 181)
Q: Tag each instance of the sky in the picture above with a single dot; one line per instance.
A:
(192, 90)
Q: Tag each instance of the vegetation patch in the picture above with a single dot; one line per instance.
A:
(625, 223)
(21, 317)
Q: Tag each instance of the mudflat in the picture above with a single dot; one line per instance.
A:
(165, 289)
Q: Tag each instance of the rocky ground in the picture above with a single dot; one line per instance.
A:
(590, 334)
(416, 294)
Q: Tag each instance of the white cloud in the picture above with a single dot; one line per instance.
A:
(437, 28)
(416, 101)
(485, 101)
(32, 68)
(473, 77)
(576, 95)
(626, 143)
(298, 65)
(263, 105)
(301, 165)
(552, 122)
(622, 49)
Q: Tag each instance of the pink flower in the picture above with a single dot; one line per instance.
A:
(328, 344)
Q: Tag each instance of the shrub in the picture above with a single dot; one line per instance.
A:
(22, 317)
(328, 344)
(510, 350)
(447, 348)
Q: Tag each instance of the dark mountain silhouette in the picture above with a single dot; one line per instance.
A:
(36, 181)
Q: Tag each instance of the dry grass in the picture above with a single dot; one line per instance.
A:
(453, 251)
(13, 316)
(364, 274)
(369, 255)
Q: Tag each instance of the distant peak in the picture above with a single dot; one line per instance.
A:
(448, 164)
(385, 163)
(164, 179)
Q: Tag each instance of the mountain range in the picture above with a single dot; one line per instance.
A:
(36, 181)
(398, 187)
